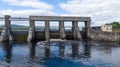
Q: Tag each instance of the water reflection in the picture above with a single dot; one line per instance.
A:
(75, 49)
(47, 49)
(76, 52)
(7, 48)
(61, 49)
(87, 47)
(31, 50)
(106, 49)
(58, 53)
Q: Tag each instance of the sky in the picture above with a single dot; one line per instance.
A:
(100, 11)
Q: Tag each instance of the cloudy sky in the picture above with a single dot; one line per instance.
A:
(100, 11)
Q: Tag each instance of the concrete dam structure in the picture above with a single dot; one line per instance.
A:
(7, 34)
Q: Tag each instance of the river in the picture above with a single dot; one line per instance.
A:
(59, 54)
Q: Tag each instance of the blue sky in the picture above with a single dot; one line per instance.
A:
(4, 5)
(100, 11)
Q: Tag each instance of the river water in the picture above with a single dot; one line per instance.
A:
(59, 54)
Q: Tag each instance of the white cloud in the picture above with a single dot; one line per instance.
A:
(101, 11)
(38, 8)
(29, 3)
(26, 13)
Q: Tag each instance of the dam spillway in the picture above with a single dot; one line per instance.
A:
(31, 34)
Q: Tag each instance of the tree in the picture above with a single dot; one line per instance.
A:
(115, 25)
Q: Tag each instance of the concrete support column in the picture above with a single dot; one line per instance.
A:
(87, 28)
(7, 29)
(31, 32)
(47, 30)
(32, 23)
(62, 30)
(7, 22)
(76, 33)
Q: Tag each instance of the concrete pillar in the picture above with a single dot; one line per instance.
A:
(8, 25)
(87, 28)
(32, 23)
(7, 29)
(62, 30)
(7, 21)
(47, 30)
(31, 32)
(76, 33)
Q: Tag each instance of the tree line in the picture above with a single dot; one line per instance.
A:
(115, 25)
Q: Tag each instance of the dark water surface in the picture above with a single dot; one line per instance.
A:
(59, 54)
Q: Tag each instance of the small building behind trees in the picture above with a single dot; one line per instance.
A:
(106, 28)
(112, 27)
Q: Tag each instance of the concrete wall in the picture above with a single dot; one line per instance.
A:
(21, 35)
(104, 36)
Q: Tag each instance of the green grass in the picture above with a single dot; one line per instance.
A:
(116, 30)
(19, 28)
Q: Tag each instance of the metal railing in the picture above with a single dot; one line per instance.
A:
(15, 19)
